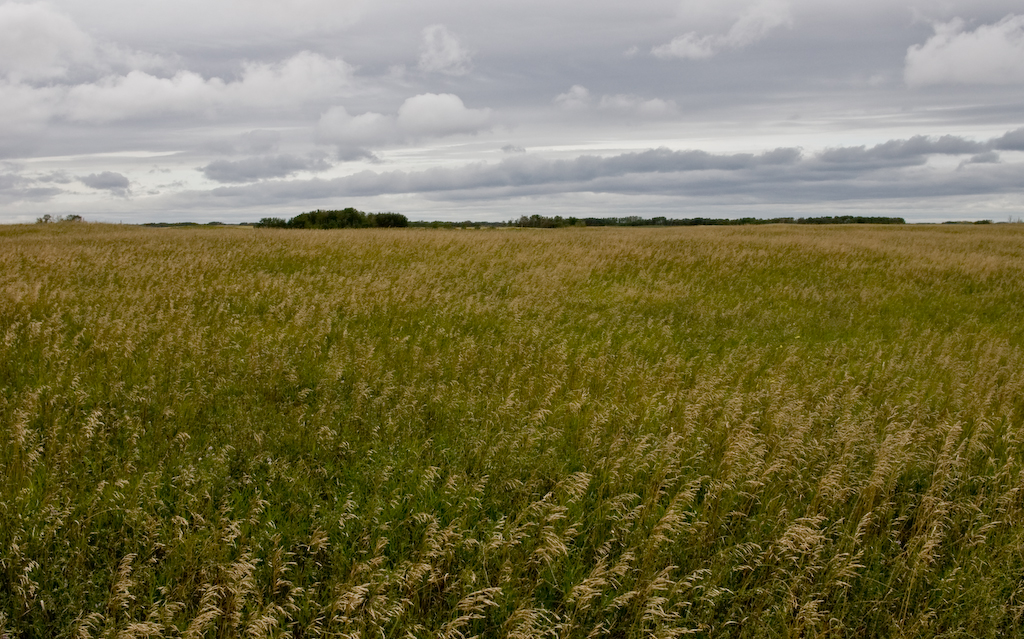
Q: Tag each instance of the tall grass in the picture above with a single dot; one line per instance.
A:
(749, 432)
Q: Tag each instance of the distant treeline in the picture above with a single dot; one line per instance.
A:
(169, 225)
(351, 218)
(348, 218)
(540, 221)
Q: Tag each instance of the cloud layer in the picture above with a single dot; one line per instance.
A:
(39, 44)
(305, 77)
(126, 110)
(893, 169)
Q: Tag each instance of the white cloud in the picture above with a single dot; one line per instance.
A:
(688, 46)
(991, 54)
(338, 126)
(37, 43)
(51, 69)
(429, 115)
(756, 23)
(140, 94)
(443, 53)
(302, 78)
(637, 106)
(435, 115)
(577, 97)
(23, 107)
(753, 25)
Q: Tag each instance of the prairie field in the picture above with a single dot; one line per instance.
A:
(772, 431)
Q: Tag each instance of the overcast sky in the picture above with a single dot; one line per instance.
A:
(232, 110)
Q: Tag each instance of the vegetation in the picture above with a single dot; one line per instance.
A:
(48, 219)
(770, 431)
(351, 218)
(348, 218)
(540, 221)
(165, 225)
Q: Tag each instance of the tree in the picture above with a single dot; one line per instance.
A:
(348, 218)
(389, 220)
(47, 219)
(272, 222)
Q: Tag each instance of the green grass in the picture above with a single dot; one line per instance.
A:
(750, 432)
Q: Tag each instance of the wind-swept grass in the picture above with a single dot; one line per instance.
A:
(749, 432)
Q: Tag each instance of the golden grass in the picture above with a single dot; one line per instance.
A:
(739, 431)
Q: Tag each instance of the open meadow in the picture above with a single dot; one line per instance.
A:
(772, 431)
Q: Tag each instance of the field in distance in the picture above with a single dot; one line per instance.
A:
(771, 431)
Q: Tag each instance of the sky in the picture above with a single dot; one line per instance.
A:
(229, 110)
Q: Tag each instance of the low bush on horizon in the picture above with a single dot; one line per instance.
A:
(770, 431)
(348, 218)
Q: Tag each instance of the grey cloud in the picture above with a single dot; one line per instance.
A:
(527, 171)
(16, 188)
(522, 173)
(988, 157)
(781, 175)
(58, 177)
(898, 153)
(262, 167)
(106, 181)
(32, 194)
(1010, 141)
(10, 181)
(39, 193)
(353, 153)
(513, 148)
(945, 145)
